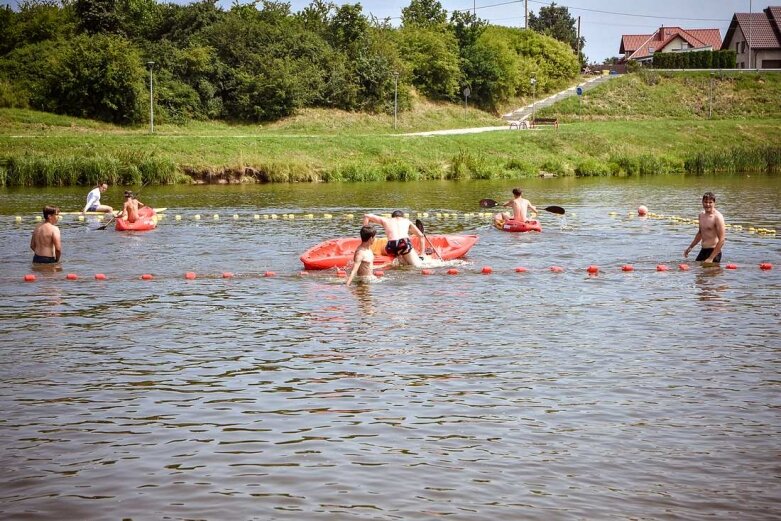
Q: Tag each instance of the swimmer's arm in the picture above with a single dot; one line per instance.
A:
(57, 243)
(371, 218)
(697, 239)
(357, 258)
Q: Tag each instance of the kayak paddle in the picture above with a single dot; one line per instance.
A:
(419, 224)
(490, 203)
(104, 226)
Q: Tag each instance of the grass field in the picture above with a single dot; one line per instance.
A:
(633, 125)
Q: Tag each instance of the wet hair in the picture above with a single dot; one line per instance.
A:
(397, 213)
(710, 196)
(50, 210)
(517, 192)
(128, 193)
(367, 232)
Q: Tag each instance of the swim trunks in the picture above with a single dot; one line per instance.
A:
(705, 253)
(92, 209)
(39, 259)
(399, 247)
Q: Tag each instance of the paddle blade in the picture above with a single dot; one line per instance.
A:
(555, 209)
(419, 224)
(487, 203)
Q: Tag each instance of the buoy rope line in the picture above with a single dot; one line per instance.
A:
(748, 228)
(591, 271)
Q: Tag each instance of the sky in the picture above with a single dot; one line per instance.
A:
(602, 22)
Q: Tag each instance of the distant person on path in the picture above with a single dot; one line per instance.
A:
(93, 200)
(712, 232)
(45, 241)
(363, 259)
(398, 229)
(130, 208)
(520, 208)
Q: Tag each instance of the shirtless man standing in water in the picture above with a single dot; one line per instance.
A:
(398, 228)
(712, 232)
(520, 208)
(363, 259)
(45, 241)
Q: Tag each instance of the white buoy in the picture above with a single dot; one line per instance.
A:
(197, 217)
(235, 217)
(178, 217)
(216, 217)
(256, 217)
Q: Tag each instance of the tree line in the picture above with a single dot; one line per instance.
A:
(260, 61)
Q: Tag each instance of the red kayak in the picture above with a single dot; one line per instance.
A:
(338, 253)
(512, 225)
(147, 220)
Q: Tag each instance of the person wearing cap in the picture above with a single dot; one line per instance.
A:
(130, 208)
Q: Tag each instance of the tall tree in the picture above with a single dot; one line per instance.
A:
(556, 22)
(423, 13)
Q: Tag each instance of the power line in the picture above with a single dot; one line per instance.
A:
(635, 15)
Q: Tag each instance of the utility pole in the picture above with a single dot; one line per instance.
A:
(578, 46)
(750, 31)
(526, 14)
(474, 8)
(395, 98)
(151, 100)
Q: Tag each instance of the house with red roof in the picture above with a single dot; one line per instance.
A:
(756, 39)
(641, 47)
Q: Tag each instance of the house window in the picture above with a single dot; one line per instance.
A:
(771, 64)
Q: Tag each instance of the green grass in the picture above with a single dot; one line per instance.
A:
(623, 128)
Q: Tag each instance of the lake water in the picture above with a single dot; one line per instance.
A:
(537, 395)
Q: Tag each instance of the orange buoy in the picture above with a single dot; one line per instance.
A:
(426, 272)
(379, 273)
(190, 275)
(520, 269)
(487, 270)
(147, 276)
(662, 267)
(269, 274)
(766, 266)
(683, 267)
(71, 276)
(100, 276)
(452, 271)
(556, 269)
(642, 211)
(627, 267)
(593, 270)
(227, 275)
(731, 266)
(29, 277)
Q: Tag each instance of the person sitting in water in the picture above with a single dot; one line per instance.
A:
(363, 259)
(712, 232)
(45, 241)
(93, 200)
(398, 229)
(520, 208)
(130, 208)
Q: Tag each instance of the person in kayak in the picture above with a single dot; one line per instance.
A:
(398, 229)
(45, 242)
(711, 232)
(520, 208)
(130, 208)
(363, 259)
(93, 200)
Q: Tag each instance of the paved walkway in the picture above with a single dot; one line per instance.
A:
(523, 113)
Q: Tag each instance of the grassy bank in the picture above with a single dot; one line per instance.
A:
(43, 149)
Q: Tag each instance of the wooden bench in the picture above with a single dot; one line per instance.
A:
(545, 121)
